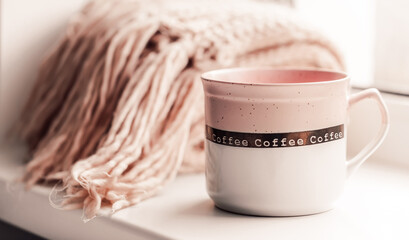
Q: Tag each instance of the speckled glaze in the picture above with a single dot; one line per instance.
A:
(279, 181)
(289, 102)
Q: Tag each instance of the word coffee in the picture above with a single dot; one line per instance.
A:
(274, 140)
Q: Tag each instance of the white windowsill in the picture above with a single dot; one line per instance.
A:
(374, 206)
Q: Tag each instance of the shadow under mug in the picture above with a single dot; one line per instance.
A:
(276, 139)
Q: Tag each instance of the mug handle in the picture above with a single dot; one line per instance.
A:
(370, 148)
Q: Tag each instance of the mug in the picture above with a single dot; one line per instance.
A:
(276, 139)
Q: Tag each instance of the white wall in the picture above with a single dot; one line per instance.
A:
(351, 26)
(392, 45)
(27, 29)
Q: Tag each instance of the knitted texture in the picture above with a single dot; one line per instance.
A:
(117, 109)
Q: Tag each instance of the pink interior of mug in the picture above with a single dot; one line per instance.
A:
(269, 76)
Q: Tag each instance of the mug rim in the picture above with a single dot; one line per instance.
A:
(206, 76)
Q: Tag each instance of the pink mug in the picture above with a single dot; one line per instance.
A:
(276, 139)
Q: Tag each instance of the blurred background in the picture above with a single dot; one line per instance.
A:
(372, 35)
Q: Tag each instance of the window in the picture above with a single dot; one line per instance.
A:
(391, 46)
(372, 35)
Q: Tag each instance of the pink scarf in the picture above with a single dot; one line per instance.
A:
(117, 108)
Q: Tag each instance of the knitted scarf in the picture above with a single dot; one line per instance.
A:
(117, 108)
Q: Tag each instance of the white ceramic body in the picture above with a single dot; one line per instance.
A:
(276, 182)
(284, 181)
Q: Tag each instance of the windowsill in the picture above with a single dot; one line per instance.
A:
(373, 206)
